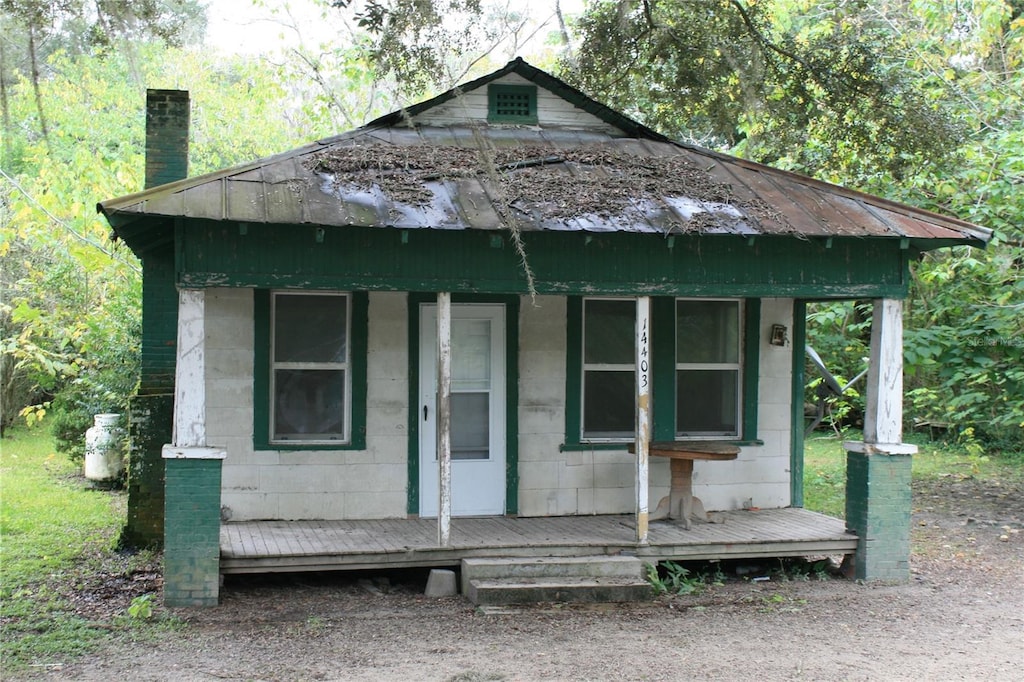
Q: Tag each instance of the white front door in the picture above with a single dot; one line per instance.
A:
(477, 407)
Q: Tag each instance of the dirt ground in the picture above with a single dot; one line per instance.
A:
(960, 617)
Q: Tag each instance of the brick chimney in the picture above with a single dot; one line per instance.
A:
(167, 120)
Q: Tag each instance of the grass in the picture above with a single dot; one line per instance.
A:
(825, 466)
(53, 530)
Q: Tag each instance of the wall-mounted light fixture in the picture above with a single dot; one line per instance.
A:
(778, 336)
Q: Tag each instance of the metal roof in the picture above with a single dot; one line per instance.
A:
(631, 183)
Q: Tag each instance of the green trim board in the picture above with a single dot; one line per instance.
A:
(663, 340)
(261, 377)
(797, 422)
(616, 264)
(159, 322)
(751, 366)
(511, 304)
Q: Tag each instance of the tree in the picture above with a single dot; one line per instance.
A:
(32, 30)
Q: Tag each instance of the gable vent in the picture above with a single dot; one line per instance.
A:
(512, 104)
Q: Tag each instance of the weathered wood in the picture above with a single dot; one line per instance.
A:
(883, 416)
(694, 450)
(190, 371)
(444, 433)
(643, 413)
(406, 543)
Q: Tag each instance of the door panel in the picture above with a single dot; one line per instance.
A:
(477, 407)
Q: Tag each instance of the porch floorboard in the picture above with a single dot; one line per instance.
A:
(292, 546)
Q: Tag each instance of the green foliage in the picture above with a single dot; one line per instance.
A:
(671, 577)
(141, 607)
(800, 84)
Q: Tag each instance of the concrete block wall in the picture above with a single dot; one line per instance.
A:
(878, 509)
(192, 537)
(553, 482)
(308, 484)
(760, 474)
(372, 483)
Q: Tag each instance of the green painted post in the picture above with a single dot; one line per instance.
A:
(192, 525)
(878, 509)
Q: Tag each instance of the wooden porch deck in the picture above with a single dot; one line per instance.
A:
(293, 546)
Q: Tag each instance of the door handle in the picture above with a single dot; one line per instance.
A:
(424, 413)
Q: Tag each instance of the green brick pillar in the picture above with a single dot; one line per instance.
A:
(878, 511)
(192, 525)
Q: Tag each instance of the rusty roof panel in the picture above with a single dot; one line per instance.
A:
(916, 228)
(857, 212)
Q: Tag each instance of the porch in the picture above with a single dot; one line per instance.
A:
(294, 546)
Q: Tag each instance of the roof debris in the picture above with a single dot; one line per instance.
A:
(543, 181)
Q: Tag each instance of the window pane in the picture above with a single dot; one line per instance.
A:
(310, 328)
(471, 425)
(706, 401)
(608, 404)
(609, 332)
(707, 331)
(309, 404)
(471, 354)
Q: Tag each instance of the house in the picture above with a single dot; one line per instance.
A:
(504, 302)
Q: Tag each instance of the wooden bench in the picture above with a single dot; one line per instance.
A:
(680, 503)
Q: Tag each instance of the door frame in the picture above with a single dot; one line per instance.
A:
(511, 303)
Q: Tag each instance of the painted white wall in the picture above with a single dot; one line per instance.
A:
(309, 484)
(601, 481)
(552, 482)
(552, 110)
(371, 483)
(760, 475)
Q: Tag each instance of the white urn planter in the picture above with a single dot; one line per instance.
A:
(103, 458)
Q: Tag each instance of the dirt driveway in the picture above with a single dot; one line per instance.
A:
(961, 617)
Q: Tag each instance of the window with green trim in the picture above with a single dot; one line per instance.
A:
(705, 364)
(309, 378)
(609, 358)
(512, 103)
(709, 368)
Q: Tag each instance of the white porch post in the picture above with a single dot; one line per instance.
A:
(643, 413)
(444, 434)
(883, 419)
(878, 470)
(190, 371)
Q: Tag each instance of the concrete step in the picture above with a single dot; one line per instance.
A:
(551, 567)
(505, 581)
(502, 592)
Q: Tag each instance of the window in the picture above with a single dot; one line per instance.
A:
(310, 377)
(609, 357)
(704, 355)
(309, 374)
(512, 103)
(708, 368)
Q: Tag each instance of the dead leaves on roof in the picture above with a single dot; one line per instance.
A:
(535, 180)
